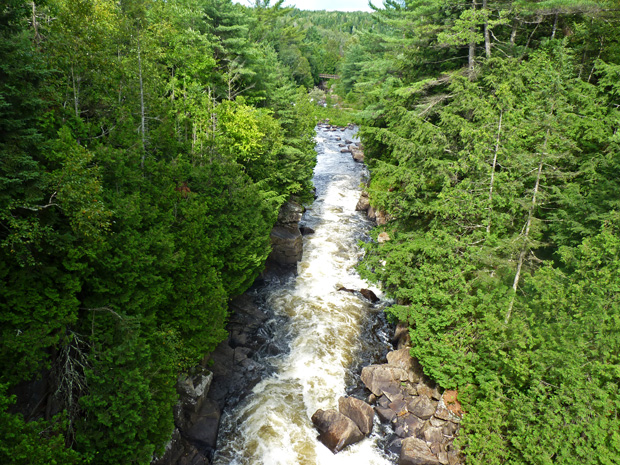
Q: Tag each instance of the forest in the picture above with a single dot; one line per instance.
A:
(146, 148)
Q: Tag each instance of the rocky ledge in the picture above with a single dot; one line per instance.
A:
(424, 421)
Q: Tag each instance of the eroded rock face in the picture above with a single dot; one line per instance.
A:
(336, 430)
(359, 411)
(286, 244)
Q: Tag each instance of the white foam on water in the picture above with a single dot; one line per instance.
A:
(272, 426)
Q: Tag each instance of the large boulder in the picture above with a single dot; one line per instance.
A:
(286, 244)
(358, 411)
(336, 431)
(384, 379)
(415, 451)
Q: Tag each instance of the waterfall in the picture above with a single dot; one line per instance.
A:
(323, 328)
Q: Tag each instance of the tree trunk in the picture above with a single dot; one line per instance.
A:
(555, 26)
(142, 110)
(528, 224)
(499, 131)
(487, 33)
(472, 48)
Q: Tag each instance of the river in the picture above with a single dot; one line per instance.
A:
(323, 327)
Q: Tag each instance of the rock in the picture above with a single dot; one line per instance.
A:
(380, 379)
(358, 411)
(348, 141)
(422, 407)
(336, 430)
(416, 452)
(383, 237)
(402, 358)
(358, 155)
(437, 422)
(203, 425)
(399, 407)
(338, 138)
(414, 424)
(342, 145)
(433, 434)
(382, 218)
(394, 446)
(192, 389)
(290, 212)
(443, 413)
(368, 294)
(306, 230)
(286, 245)
(401, 333)
(386, 415)
(371, 214)
(345, 150)
(450, 429)
(363, 203)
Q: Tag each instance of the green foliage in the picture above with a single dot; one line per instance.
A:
(39, 441)
(147, 148)
(502, 218)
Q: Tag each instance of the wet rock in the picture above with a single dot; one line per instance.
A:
(358, 411)
(306, 230)
(336, 431)
(358, 155)
(368, 294)
(380, 379)
(394, 446)
(338, 138)
(348, 141)
(371, 214)
(345, 150)
(422, 407)
(416, 452)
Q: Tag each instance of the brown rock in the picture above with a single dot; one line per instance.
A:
(358, 411)
(336, 431)
(363, 203)
(416, 452)
(433, 434)
(422, 407)
(382, 218)
(358, 155)
(380, 379)
(371, 213)
(368, 294)
(386, 415)
(383, 237)
(399, 407)
(402, 358)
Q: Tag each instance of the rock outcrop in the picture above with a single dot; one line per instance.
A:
(203, 393)
(286, 237)
(424, 420)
